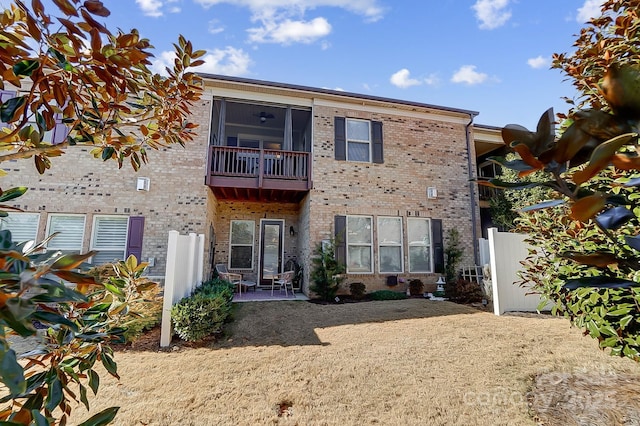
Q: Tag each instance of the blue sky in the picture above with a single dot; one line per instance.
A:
(490, 56)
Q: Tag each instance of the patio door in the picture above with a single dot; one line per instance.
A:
(271, 249)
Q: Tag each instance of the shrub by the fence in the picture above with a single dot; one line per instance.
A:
(204, 313)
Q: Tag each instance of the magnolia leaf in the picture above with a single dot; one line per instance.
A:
(110, 365)
(12, 193)
(96, 7)
(527, 156)
(11, 372)
(72, 261)
(25, 68)
(10, 109)
(500, 184)
(103, 418)
(615, 217)
(599, 282)
(601, 157)
(625, 162)
(517, 165)
(587, 207)
(599, 260)
(633, 242)
(52, 318)
(542, 205)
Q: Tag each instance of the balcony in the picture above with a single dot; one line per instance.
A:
(258, 174)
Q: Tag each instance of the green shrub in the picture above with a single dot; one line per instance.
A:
(387, 295)
(200, 315)
(416, 287)
(216, 287)
(357, 290)
(326, 275)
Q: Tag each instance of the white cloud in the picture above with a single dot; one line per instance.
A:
(492, 13)
(370, 9)
(467, 74)
(227, 61)
(539, 62)
(175, 9)
(215, 27)
(403, 80)
(288, 31)
(150, 7)
(590, 9)
(432, 80)
(283, 21)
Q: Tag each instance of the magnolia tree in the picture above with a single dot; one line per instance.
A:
(72, 77)
(587, 264)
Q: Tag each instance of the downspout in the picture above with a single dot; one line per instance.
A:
(472, 190)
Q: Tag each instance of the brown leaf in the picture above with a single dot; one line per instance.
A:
(66, 7)
(93, 23)
(96, 7)
(587, 207)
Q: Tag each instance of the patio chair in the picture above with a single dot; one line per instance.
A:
(234, 278)
(283, 280)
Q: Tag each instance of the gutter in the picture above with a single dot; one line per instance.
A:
(472, 191)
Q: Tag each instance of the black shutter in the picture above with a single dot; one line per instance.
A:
(134, 239)
(376, 136)
(438, 246)
(340, 239)
(340, 139)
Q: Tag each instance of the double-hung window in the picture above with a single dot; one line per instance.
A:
(71, 232)
(242, 244)
(109, 238)
(358, 140)
(419, 237)
(23, 226)
(390, 244)
(359, 244)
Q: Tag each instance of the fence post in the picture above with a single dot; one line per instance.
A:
(200, 259)
(169, 289)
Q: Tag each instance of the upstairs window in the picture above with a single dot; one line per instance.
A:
(358, 140)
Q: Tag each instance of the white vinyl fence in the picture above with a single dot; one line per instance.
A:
(185, 261)
(506, 251)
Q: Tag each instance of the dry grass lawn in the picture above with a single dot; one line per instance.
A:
(409, 362)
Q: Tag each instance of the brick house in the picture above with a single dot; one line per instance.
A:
(275, 170)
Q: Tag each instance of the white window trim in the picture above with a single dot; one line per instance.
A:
(253, 244)
(49, 232)
(94, 229)
(348, 139)
(359, 245)
(401, 245)
(24, 214)
(409, 219)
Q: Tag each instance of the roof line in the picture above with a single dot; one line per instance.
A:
(243, 80)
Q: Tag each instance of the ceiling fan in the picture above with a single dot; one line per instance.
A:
(264, 116)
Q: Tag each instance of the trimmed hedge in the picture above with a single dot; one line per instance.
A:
(204, 313)
(387, 295)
